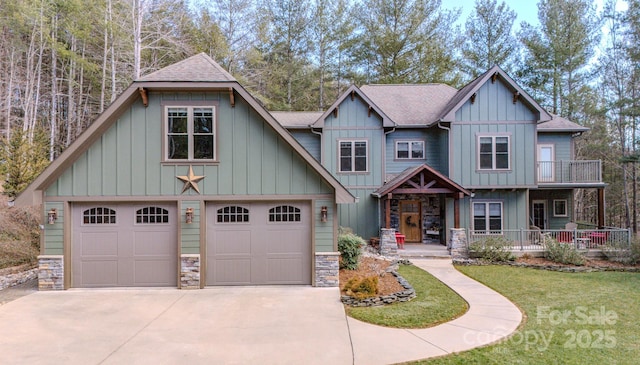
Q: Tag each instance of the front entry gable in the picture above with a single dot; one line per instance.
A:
(421, 179)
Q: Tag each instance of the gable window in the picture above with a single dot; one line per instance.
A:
(152, 215)
(560, 208)
(99, 215)
(353, 156)
(493, 152)
(190, 133)
(412, 150)
(284, 213)
(487, 217)
(233, 214)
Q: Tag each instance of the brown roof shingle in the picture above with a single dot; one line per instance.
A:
(198, 68)
(296, 119)
(408, 105)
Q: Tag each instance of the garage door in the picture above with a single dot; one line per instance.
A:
(258, 244)
(124, 245)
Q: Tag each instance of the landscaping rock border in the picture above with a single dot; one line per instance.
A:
(550, 267)
(17, 275)
(402, 296)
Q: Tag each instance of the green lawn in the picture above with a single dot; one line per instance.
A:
(434, 303)
(571, 318)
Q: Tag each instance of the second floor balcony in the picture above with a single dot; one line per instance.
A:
(570, 173)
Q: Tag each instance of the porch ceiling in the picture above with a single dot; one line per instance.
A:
(420, 179)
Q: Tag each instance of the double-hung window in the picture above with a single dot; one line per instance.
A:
(411, 150)
(190, 133)
(493, 152)
(353, 156)
(487, 217)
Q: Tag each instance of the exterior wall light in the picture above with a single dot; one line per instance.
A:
(189, 214)
(52, 216)
(323, 214)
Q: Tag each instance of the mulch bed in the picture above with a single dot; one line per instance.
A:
(370, 266)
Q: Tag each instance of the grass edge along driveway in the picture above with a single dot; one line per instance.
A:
(570, 318)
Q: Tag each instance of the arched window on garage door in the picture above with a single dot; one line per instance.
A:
(152, 215)
(233, 214)
(284, 213)
(99, 215)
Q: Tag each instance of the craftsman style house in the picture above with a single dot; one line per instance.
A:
(426, 158)
(186, 180)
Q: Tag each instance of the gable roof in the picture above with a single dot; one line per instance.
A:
(218, 80)
(441, 181)
(411, 104)
(198, 68)
(352, 91)
(294, 120)
(471, 88)
(560, 124)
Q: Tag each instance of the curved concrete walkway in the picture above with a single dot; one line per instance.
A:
(491, 317)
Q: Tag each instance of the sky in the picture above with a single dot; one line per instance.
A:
(526, 10)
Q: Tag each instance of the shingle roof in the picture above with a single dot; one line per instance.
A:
(560, 124)
(296, 119)
(409, 105)
(198, 68)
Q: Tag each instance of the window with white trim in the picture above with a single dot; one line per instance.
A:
(99, 215)
(409, 150)
(152, 215)
(233, 214)
(190, 133)
(560, 208)
(487, 217)
(284, 213)
(493, 153)
(353, 156)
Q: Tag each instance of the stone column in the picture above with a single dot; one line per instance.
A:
(327, 269)
(458, 244)
(388, 244)
(50, 272)
(190, 271)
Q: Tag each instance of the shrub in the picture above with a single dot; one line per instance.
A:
(626, 255)
(19, 234)
(361, 288)
(349, 246)
(493, 249)
(562, 253)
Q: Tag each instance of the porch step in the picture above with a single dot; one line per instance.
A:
(424, 251)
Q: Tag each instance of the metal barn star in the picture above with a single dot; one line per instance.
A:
(190, 181)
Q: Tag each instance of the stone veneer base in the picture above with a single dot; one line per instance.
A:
(327, 269)
(190, 271)
(50, 272)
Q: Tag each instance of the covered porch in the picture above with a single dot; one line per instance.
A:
(414, 204)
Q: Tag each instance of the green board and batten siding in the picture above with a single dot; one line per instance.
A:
(432, 145)
(54, 233)
(355, 122)
(127, 160)
(562, 144)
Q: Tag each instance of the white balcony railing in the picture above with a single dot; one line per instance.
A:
(569, 172)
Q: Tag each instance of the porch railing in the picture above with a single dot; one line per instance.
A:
(569, 172)
(535, 240)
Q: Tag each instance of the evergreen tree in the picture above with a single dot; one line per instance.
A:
(488, 39)
(21, 160)
(559, 51)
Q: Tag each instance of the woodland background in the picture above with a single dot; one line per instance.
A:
(63, 61)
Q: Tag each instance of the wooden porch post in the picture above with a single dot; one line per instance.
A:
(456, 210)
(600, 208)
(387, 211)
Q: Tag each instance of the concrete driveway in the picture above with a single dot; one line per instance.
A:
(226, 325)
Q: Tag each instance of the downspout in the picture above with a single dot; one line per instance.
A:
(321, 144)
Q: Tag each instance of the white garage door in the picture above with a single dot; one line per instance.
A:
(258, 244)
(116, 245)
